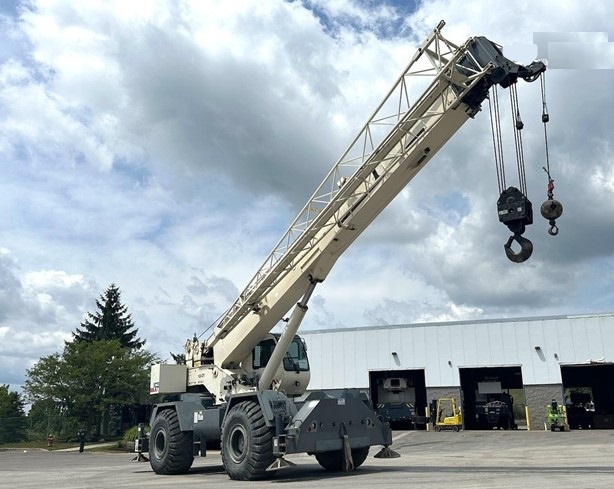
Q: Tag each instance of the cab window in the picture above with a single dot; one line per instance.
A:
(262, 353)
(296, 357)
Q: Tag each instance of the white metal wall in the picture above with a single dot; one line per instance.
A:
(342, 358)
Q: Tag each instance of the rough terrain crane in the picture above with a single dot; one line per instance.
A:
(245, 386)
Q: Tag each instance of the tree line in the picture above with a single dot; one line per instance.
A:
(99, 382)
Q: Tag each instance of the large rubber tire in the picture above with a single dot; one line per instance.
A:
(247, 443)
(333, 461)
(170, 449)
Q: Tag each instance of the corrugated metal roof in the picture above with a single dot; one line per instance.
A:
(451, 323)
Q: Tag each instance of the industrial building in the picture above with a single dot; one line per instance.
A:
(531, 361)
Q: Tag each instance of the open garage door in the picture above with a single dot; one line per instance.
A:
(399, 396)
(589, 395)
(489, 395)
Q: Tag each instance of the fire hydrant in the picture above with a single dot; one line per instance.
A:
(50, 441)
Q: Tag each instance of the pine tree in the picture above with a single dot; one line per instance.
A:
(111, 321)
(178, 358)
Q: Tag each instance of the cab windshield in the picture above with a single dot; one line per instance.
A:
(295, 359)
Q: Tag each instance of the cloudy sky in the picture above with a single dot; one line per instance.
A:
(165, 146)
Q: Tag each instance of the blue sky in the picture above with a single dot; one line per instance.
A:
(166, 146)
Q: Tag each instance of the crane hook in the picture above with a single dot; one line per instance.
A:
(526, 248)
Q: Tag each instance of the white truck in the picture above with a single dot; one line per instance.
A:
(246, 387)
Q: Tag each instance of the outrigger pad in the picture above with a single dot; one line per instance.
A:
(387, 452)
(281, 463)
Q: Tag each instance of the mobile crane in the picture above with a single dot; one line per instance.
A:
(245, 386)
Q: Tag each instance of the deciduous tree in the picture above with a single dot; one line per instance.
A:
(12, 416)
(89, 377)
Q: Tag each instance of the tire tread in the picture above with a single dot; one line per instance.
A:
(261, 440)
(179, 457)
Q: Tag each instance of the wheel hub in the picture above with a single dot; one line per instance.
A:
(237, 448)
(160, 443)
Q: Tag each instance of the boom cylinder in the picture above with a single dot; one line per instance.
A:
(285, 339)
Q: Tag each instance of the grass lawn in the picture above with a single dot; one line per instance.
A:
(38, 444)
(57, 445)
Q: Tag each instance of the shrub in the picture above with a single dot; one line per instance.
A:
(131, 433)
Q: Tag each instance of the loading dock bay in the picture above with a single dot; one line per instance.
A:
(488, 395)
(589, 395)
(392, 391)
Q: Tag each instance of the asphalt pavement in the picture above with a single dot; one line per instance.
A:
(465, 460)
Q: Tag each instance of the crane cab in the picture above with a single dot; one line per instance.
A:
(292, 376)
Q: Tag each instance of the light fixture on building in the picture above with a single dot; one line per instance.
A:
(450, 362)
(556, 356)
(538, 348)
(394, 354)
